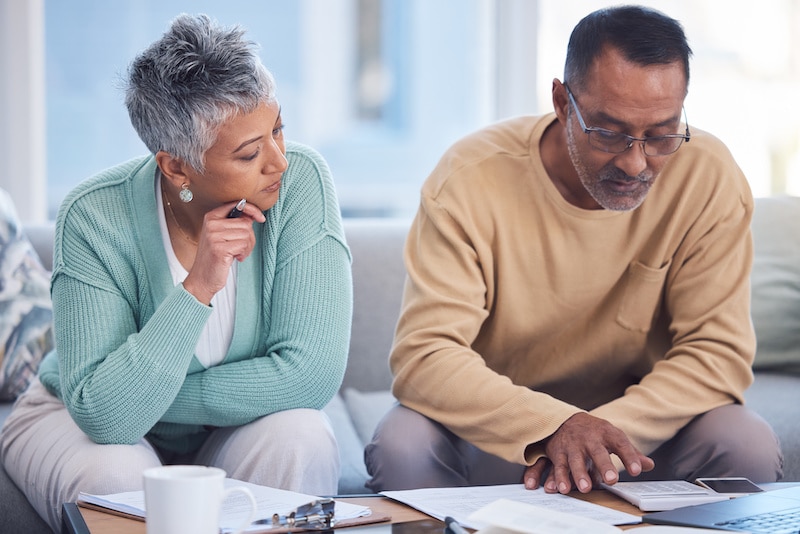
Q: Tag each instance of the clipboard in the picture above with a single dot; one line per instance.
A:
(344, 523)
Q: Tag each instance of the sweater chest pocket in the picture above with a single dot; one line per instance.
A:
(641, 298)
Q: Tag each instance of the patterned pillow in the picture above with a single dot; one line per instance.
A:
(26, 313)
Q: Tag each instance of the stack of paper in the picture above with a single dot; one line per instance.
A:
(506, 516)
(512, 517)
(459, 503)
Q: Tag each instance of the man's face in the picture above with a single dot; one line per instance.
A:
(609, 186)
(627, 98)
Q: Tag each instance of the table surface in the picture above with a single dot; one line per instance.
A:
(96, 522)
(79, 520)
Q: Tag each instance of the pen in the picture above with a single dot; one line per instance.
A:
(454, 526)
(237, 209)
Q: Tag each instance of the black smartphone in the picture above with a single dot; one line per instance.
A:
(733, 486)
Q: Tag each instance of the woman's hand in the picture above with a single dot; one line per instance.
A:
(222, 240)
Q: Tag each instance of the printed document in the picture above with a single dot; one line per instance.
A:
(460, 503)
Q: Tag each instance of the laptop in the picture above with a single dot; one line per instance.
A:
(760, 512)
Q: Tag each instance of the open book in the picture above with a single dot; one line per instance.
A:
(234, 509)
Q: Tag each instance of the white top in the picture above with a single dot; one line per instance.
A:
(215, 340)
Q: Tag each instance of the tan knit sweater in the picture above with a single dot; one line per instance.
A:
(521, 309)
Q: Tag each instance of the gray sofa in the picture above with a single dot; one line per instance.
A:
(378, 275)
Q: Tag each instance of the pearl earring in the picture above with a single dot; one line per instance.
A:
(186, 194)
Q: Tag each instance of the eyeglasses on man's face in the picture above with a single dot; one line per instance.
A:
(617, 143)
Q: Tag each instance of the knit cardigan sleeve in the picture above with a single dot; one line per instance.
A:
(300, 360)
(126, 352)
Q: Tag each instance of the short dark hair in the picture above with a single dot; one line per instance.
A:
(645, 36)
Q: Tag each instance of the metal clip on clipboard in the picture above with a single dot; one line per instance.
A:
(316, 515)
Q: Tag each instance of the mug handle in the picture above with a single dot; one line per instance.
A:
(253, 506)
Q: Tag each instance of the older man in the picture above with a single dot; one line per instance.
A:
(577, 300)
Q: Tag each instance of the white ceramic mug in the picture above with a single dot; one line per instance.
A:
(186, 499)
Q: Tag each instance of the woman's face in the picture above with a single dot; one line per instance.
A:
(246, 161)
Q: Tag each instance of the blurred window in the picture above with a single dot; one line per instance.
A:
(382, 87)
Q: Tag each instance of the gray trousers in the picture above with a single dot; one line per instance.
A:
(409, 451)
(50, 459)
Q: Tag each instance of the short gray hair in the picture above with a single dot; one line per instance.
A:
(183, 86)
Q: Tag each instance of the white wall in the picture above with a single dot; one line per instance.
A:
(508, 39)
(22, 106)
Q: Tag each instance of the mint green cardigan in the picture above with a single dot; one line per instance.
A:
(125, 335)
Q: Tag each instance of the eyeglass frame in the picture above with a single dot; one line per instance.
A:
(686, 137)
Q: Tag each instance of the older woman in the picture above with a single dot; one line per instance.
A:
(192, 327)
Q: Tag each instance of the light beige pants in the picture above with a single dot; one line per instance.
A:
(51, 460)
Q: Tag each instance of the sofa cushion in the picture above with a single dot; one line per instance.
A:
(776, 283)
(772, 396)
(378, 276)
(16, 513)
(353, 475)
(366, 410)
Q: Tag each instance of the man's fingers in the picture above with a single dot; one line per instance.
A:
(580, 473)
(560, 479)
(642, 465)
(634, 461)
(648, 464)
(534, 473)
(603, 466)
(581, 453)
